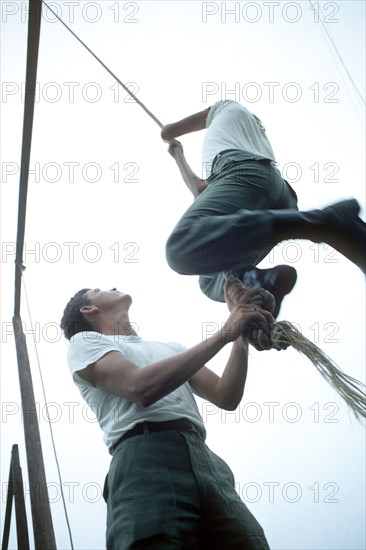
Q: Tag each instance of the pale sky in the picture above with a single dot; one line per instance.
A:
(104, 196)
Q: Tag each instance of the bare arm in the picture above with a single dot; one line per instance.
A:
(227, 391)
(195, 184)
(116, 375)
(192, 123)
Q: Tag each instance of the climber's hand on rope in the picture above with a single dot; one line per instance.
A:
(174, 147)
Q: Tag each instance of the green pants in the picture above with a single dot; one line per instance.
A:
(167, 491)
(229, 227)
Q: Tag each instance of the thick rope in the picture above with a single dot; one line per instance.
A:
(280, 335)
(283, 334)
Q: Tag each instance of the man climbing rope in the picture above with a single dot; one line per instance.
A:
(166, 489)
(245, 208)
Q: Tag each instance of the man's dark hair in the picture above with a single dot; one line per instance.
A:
(73, 321)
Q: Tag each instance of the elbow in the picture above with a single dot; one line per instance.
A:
(141, 395)
(167, 133)
(230, 406)
(146, 401)
(229, 403)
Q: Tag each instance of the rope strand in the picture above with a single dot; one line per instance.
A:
(284, 334)
(107, 69)
(280, 335)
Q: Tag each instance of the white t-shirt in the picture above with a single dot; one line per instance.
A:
(117, 415)
(231, 126)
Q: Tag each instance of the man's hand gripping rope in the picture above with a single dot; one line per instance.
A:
(256, 332)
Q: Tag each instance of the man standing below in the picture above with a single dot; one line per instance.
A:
(245, 207)
(166, 489)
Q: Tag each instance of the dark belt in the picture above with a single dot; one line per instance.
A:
(183, 424)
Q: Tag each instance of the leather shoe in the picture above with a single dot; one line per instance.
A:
(279, 281)
(338, 225)
(347, 231)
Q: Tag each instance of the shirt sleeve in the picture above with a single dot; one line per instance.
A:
(218, 106)
(85, 349)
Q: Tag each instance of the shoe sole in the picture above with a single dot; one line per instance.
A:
(285, 282)
(347, 209)
(352, 238)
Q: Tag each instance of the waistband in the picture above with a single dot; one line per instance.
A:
(182, 424)
(236, 154)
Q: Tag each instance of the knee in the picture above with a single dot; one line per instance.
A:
(174, 258)
(176, 255)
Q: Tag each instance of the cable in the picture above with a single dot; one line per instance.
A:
(107, 69)
(48, 417)
(338, 54)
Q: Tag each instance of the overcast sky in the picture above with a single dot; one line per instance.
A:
(104, 196)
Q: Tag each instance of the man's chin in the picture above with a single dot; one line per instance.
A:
(126, 297)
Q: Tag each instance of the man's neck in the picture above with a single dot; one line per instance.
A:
(121, 326)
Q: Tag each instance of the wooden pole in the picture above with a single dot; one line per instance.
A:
(34, 30)
(16, 491)
(44, 537)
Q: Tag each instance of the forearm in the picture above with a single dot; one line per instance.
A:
(230, 387)
(161, 378)
(195, 184)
